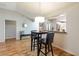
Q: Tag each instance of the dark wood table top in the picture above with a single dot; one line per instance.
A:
(40, 32)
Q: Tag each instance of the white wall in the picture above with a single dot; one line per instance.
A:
(20, 19)
(10, 29)
(70, 42)
(31, 26)
(9, 15)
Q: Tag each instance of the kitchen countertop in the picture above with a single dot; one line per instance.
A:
(60, 32)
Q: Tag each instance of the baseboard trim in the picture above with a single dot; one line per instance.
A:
(10, 38)
(64, 50)
(1, 41)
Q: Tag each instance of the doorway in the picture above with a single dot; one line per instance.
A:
(10, 30)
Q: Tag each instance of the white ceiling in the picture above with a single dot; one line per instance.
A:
(33, 9)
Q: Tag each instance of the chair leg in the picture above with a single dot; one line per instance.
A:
(51, 49)
(34, 44)
(48, 48)
(31, 43)
(39, 48)
(45, 49)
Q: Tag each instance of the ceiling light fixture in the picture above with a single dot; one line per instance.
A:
(39, 19)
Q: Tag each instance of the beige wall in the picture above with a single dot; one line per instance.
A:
(59, 39)
(70, 41)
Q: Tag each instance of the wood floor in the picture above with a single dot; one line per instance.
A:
(22, 48)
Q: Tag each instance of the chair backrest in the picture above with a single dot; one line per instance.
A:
(49, 37)
(33, 35)
(32, 32)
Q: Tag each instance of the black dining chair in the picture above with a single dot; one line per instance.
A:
(34, 38)
(47, 44)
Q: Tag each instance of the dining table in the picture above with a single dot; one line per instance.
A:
(38, 33)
